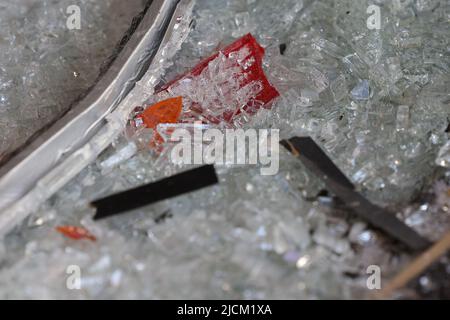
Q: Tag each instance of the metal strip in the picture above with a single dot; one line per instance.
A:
(315, 159)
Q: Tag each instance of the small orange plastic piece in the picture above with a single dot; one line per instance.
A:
(166, 111)
(76, 233)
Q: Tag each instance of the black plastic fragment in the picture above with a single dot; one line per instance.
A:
(315, 159)
(173, 186)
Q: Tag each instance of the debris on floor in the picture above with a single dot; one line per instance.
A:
(75, 233)
(376, 101)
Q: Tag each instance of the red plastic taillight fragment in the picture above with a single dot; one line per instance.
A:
(244, 58)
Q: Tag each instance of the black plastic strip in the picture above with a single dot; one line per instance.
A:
(173, 186)
(316, 160)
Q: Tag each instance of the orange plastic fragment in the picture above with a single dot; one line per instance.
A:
(166, 111)
(76, 233)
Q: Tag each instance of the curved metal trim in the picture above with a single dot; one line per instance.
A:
(76, 127)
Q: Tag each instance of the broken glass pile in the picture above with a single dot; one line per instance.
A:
(367, 80)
